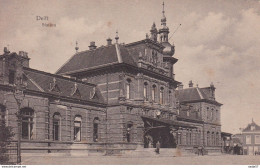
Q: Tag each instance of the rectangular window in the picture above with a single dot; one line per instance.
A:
(257, 139)
(248, 139)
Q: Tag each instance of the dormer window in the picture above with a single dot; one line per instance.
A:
(252, 127)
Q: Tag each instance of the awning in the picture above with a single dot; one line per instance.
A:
(168, 122)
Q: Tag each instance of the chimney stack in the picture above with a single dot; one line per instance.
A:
(190, 83)
(180, 86)
(109, 41)
(92, 45)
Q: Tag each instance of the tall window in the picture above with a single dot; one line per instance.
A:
(170, 97)
(213, 139)
(128, 94)
(191, 142)
(153, 92)
(208, 138)
(95, 129)
(161, 95)
(2, 113)
(257, 139)
(179, 138)
(187, 138)
(56, 126)
(27, 123)
(11, 76)
(77, 128)
(145, 91)
(217, 138)
(248, 139)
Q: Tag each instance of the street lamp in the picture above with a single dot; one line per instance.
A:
(18, 96)
(18, 91)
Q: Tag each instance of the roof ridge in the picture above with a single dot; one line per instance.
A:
(118, 53)
(59, 76)
(199, 93)
(35, 83)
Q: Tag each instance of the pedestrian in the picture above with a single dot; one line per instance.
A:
(202, 150)
(199, 150)
(157, 147)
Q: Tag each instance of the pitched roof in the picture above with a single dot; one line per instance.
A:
(253, 124)
(101, 56)
(194, 94)
(190, 94)
(61, 86)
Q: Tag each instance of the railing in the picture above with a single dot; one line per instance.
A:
(12, 153)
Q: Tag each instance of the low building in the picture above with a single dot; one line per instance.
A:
(251, 139)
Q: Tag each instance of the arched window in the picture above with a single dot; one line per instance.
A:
(56, 126)
(213, 139)
(128, 131)
(77, 128)
(199, 137)
(153, 92)
(128, 91)
(145, 91)
(217, 139)
(191, 134)
(187, 138)
(95, 129)
(208, 138)
(161, 95)
(2, 113)
(170, 98)
(27, 123)
(179, 138)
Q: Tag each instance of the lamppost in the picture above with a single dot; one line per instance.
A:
(19, 97)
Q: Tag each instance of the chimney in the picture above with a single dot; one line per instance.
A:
(92, 45)
(180, 86)
(212, 91)
(190, 83)
(109, 41)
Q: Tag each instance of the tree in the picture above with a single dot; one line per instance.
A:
(6, 135)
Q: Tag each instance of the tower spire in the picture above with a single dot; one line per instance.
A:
(163, 20)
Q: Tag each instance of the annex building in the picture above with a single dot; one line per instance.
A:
(110, 98)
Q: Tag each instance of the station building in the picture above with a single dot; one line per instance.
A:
(110, 98)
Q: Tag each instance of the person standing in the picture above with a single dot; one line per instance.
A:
(157, 147)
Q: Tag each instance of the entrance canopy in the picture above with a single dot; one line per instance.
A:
(166, 122)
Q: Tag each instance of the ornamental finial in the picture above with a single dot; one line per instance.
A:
(76, 48)
(117, 37)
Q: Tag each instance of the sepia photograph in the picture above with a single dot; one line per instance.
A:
(120, 82)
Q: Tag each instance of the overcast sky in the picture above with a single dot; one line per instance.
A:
(219, 41)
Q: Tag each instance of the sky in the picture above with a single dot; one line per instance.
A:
(218, 41)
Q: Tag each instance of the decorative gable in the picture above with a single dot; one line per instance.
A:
(75, 91)
(93, 94)
(54, 86)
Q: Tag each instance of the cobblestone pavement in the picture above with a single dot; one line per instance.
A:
(101, 160)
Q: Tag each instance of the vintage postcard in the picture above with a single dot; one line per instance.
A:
(139, 82)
